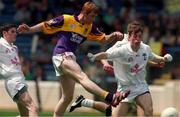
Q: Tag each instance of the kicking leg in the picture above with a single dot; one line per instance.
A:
(81, 101)
(98, 105)
(73, 69)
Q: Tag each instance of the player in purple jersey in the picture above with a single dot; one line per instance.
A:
(73, 30)
(11, 72)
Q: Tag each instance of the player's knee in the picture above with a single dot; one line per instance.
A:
(67, 99)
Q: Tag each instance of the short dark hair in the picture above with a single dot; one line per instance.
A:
(6, 27)
(135, 27)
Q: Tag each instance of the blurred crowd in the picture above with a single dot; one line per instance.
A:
(162, 32)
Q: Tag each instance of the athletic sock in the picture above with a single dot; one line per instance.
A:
(87, 103)
(109, 97)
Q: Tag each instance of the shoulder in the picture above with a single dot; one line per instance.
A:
(145, 45)
(1, 41)
(67, 16)
(14, 46)
(122, 46)
(70, 19)
(120, 43)
(125, 44)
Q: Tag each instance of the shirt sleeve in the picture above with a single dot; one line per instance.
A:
(53, 25)
(116, 45)
(115, 53)
(151, 54)
(95, 34)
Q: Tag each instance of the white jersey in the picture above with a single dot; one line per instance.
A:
(119, 43)
(9, 59)
(129, 66)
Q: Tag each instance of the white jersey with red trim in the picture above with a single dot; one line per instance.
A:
(9, 59)
(129, 66)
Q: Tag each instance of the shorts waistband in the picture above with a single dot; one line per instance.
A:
(65, 54)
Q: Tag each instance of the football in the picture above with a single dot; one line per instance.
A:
(170, 112)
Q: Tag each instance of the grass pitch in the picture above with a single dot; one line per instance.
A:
(6, 113)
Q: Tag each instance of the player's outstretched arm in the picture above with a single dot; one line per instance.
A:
(24, 28)
(98, 56)
(157, 64)
(165, 58)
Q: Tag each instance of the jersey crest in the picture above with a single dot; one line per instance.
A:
(145, 56)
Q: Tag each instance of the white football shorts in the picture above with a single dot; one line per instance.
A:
(135, 90)
(58, 59)
(14, 84)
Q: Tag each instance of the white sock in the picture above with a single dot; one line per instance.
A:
(87, 103)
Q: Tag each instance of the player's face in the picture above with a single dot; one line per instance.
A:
(89, 18)
(11, 34)
(136, 38)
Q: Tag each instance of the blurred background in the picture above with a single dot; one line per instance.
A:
(162, 33)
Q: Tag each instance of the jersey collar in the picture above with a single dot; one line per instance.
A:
(130, 49)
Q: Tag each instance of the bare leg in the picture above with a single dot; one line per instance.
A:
(38, 94)
(120, 110)
(145, 101)
(22, 110)
(140, 111)
(67, 88)
(25, 102)
(103, 107)
(72, 72)
(84, 102)
(73, 69)
(100, 106)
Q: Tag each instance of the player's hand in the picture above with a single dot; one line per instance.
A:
(23, 28)
(91, 57)
(161, 64)
(117, 35)
(168, 58)
(109, 69)
(118, 96)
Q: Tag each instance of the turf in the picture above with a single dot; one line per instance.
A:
(5, 113)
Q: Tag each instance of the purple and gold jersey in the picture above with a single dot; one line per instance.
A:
(71, 33)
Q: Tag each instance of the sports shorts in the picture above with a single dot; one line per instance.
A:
(135, 90)
(14, 84)
(58, 59)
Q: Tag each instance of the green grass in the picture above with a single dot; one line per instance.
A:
(5, 113)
